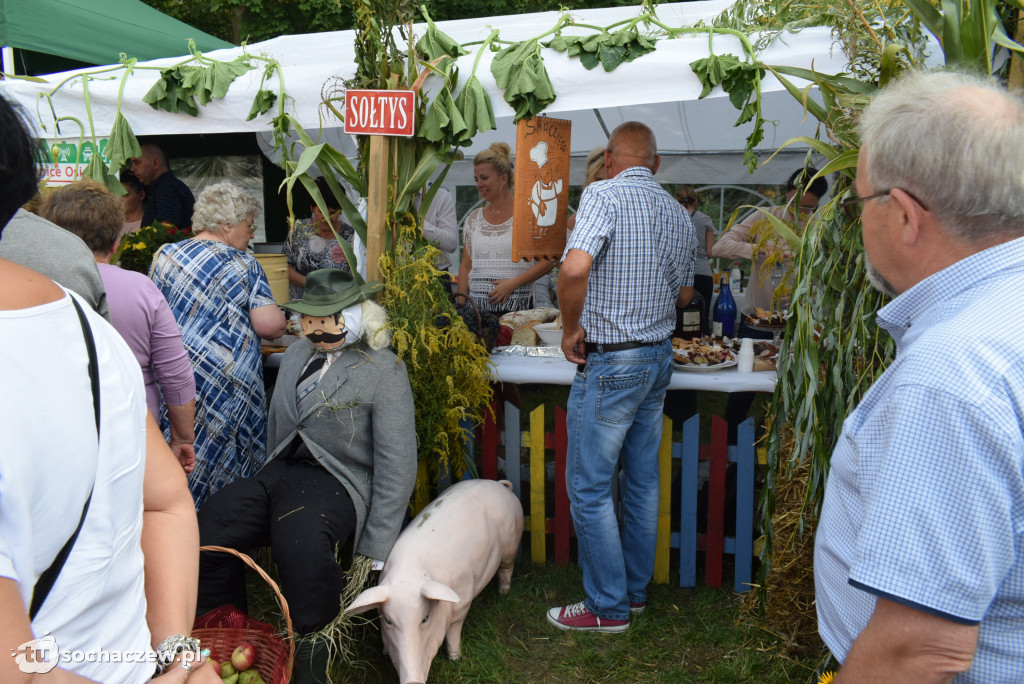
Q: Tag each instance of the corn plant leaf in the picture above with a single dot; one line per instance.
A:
(889, 67)
(122, 144)
(929, 16)
(519, 71)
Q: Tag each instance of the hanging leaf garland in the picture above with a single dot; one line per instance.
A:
(436, 43)
(475, 105)
(122, 144)
(519, 71)
(740, 80)
(607, 49)
(181, 87)
(444, 121)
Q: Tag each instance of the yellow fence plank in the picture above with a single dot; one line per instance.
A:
(664, 541)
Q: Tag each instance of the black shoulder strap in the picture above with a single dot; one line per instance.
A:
(46, 580)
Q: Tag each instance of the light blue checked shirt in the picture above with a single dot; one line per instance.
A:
(925, 499)
(643, 245)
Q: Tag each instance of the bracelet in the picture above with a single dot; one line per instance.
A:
(175, 645)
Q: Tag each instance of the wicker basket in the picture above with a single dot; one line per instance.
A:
(224, 628)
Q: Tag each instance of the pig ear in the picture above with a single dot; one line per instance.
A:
(439, 592)
(374, 597)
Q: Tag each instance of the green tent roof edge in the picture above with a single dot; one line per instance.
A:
(97, 31)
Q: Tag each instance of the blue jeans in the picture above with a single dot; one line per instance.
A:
(615, 409)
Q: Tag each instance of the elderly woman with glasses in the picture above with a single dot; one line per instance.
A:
(312, 244)
(221, 299)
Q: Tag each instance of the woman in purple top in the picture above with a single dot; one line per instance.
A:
(137, 309)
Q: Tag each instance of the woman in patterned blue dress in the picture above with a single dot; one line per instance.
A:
(221, 300)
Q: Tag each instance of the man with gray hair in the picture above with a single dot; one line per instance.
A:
(919, 555)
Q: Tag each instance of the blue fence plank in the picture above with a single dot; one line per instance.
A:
(513, 440)
(689, 452)
(744, 549)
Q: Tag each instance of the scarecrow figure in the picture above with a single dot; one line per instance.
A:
(342, 465)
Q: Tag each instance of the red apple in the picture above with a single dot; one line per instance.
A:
(244, 656)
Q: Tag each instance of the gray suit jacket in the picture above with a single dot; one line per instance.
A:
(58, 254)
(363, 432)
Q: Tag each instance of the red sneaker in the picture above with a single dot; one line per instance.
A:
(637, 608)
(576, 617)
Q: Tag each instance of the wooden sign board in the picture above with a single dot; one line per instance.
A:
(541, 205)
(380, 112)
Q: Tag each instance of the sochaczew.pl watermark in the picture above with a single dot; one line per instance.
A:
(41, 655)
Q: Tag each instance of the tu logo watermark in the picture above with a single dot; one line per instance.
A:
(37, 656)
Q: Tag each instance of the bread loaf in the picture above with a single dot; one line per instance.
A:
(526, 336)
(517, 319)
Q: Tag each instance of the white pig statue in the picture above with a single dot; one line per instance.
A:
(441, 561)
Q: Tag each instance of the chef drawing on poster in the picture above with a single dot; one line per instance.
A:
(544, 196)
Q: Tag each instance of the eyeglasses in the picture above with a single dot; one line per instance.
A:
(853, 206)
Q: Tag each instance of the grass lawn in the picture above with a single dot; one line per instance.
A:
(686, 635)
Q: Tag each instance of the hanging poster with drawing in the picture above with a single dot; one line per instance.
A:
(542, 188)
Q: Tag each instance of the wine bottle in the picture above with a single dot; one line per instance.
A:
(690, 320)
(723, 319)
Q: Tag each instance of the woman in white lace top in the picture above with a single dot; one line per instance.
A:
(488, 274)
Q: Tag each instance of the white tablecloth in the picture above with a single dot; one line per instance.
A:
(558, 371)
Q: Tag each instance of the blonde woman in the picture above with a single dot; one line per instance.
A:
(487, 273)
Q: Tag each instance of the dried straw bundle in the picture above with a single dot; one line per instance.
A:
(789, 608)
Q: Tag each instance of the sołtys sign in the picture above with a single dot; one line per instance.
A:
(379, 112)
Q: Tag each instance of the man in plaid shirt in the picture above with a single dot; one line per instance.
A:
(628, 264)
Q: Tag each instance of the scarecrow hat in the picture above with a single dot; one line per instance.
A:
(330, 290)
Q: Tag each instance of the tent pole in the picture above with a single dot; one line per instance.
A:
(7, 60)
(604, 127)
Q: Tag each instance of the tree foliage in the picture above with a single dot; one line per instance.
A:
(256, 20)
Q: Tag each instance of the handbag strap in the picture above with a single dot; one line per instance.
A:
(46, 580)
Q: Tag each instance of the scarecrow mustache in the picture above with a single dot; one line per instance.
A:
(321, 337)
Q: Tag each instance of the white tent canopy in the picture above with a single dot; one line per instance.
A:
(696, 137)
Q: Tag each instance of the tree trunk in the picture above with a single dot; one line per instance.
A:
(237, 15)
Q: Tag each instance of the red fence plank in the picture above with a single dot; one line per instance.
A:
(716, 504)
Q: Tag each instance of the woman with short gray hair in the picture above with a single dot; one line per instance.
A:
(221, 300)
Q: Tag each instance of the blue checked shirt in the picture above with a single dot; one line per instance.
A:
(925, 499)
(643, 245)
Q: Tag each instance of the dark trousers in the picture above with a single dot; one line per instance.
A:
(303, 513)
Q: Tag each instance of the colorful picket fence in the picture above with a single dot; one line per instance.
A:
(689, 452)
